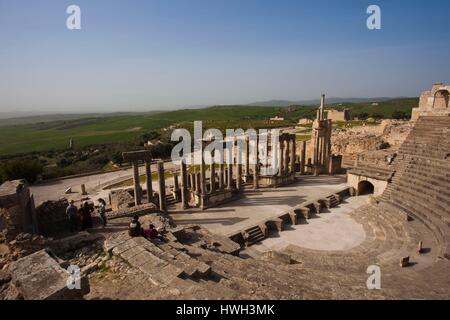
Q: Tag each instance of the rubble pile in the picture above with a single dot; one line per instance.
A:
(88, 258)
(24, 244)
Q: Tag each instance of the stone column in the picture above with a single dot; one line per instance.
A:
(255, 177)
(162, 187)
(293, 155)
(137, 184)
(239, 177)
(316, 147)
(148, 174)
(221, 176)
(303, 158)
(203, 182)
(198, 183)
(225, 175)
(194, 180)
(212, 172)
(176, 187)
(281, 171)
(184, 202)
(256, 167)
(247, 158)
(188, 179)
(286, 158)
(229, 169)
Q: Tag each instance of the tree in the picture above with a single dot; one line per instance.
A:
(363, 116)
(377, 116)
(21, 169)
(399, 115)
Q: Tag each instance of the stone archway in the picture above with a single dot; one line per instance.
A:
(365, 187)
(441, 99)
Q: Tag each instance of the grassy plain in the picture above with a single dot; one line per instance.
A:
(17, 138)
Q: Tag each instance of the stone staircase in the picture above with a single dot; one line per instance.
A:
(255, 234)
(171, 202)
(161, 263)
(331, 201)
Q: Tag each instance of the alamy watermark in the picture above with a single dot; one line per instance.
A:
(237, 147)
(374, 20)
(74, 280)
(73, 21)
(374, 280)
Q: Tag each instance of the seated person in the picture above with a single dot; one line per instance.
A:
(135, 229)
(152, 233)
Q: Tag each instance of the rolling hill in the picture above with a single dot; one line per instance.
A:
(23, 138)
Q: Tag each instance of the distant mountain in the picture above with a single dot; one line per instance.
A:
(10, 118)
(286, 103)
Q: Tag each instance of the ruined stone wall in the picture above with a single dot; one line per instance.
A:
(336, 115)
(353, 141)
(51, 217)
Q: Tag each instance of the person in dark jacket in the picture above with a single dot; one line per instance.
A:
(72, 216)
(86, 217)
(135, 229)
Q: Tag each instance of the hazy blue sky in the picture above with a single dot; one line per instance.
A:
(145, 54)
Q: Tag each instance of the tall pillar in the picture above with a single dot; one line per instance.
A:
(247, 158)
(189, 180)
(303, 158)
(239, 177)
(148, 175)
(137, 184)
(212, 172)
(286, 158)
(176, 187)
(281, 171)
(221, 176)
(195, 180)
(256, 166)
(162, 187)
(293, 155)
(184, 203)
(255, 177)
(203, 182)
(192, 181)
(230, 168)
(198, 183)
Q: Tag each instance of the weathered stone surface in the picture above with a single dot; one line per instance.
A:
(5, 277)
(278, 256)
(39, 277)
(121, 199)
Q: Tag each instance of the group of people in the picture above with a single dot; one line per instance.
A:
(136, 230)
(83, 215)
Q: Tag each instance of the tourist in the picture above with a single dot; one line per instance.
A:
(72, 216)
(152, 233)
(86, 217)
(102, 211)
(135, 229)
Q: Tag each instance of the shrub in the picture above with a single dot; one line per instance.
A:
(21, 169)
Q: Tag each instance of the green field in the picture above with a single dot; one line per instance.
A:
(55, 135)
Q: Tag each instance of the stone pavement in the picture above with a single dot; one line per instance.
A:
(333, 230)
(255, 207)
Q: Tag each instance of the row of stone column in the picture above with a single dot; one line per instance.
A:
(287, 155)
(148, 174)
